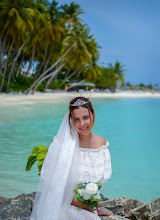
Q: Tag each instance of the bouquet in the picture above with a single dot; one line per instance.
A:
(88, 193)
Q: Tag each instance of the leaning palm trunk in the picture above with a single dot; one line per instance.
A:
(5, 68)
(67, 78)
(49, 69)
(32, 58)
(64, 78)
(77, 84)
(2, 53)
(13, 64)
(47, 62)
(50, 80)
(42, 63)
(54, 73)
(19, 68)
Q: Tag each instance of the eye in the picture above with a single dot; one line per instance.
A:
(86, 117)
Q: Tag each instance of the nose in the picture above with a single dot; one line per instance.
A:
(82, 123)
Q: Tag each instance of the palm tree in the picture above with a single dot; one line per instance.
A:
(81, 41)
(92, 71)
(76, 51)
(51, 43)
(71, 13)
(17, 18)
(37, 47)
(108, 79)
(119, 71)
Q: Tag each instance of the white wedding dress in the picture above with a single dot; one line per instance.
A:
(95, 165)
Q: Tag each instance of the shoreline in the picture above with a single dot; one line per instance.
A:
(62, 96)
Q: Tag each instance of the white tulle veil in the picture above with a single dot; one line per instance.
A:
(59, 175)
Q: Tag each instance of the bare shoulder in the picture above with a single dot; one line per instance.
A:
(102, 140)
(99, 141)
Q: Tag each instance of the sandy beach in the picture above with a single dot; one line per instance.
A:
(6, 99)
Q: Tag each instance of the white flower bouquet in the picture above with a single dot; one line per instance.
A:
(88, 193)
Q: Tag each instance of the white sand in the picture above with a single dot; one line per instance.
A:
(7, 99)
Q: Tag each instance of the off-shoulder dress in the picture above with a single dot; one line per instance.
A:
(95, 166)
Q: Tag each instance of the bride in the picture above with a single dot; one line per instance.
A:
(75, 156)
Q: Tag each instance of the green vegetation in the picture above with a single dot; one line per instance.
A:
(44, 45)
(140, 86)
(38, 154)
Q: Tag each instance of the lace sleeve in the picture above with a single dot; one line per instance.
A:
(107, 164)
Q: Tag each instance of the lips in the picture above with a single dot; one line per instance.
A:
(83, 129)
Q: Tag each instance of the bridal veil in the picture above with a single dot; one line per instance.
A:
(59, 175)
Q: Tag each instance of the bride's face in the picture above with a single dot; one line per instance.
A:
(82, 120)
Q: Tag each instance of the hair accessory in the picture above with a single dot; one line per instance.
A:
(79, 102)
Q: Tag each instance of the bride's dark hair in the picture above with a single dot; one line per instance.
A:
(88, 105)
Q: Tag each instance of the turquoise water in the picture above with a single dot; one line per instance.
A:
(132, 127)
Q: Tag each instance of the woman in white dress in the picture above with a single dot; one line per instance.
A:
(76, 155)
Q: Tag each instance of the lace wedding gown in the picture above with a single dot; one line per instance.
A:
(95, 166)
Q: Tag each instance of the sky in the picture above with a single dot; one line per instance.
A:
(128, 31)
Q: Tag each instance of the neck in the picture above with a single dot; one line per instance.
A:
(85, 137)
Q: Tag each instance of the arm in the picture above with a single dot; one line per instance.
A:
(79, 204)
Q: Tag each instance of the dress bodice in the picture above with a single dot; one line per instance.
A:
(95, 164)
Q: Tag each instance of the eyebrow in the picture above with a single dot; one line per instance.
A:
(83, 116)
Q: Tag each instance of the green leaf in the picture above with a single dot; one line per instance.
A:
(81, 199)
(92, 197)
(41, 156)
(91, 206)
(40, 163)
(95, 204)
(76, 191)
(30, 162)
(38, 153)
(36, 150)
(102, 196)
(39, 149)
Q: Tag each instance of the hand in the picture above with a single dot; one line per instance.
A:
(100, 212)
(83, 206)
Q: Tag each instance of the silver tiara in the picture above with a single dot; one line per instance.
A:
(79, 102)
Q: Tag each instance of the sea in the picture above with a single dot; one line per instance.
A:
(130, 125)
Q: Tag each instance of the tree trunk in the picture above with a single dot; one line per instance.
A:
(42, 64)
(20, 66)
(50, 68)
(79, 72)
(79, 84)
(32, 58)
(5, 68)
(51, 74)
(66, 78)
(48, 60)
(1, 52)
(49, 82)
(51, 79)
(13, 64)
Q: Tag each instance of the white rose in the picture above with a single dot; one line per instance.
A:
(81, 192)
(97, 196)
(91, 188)
(86, 196)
